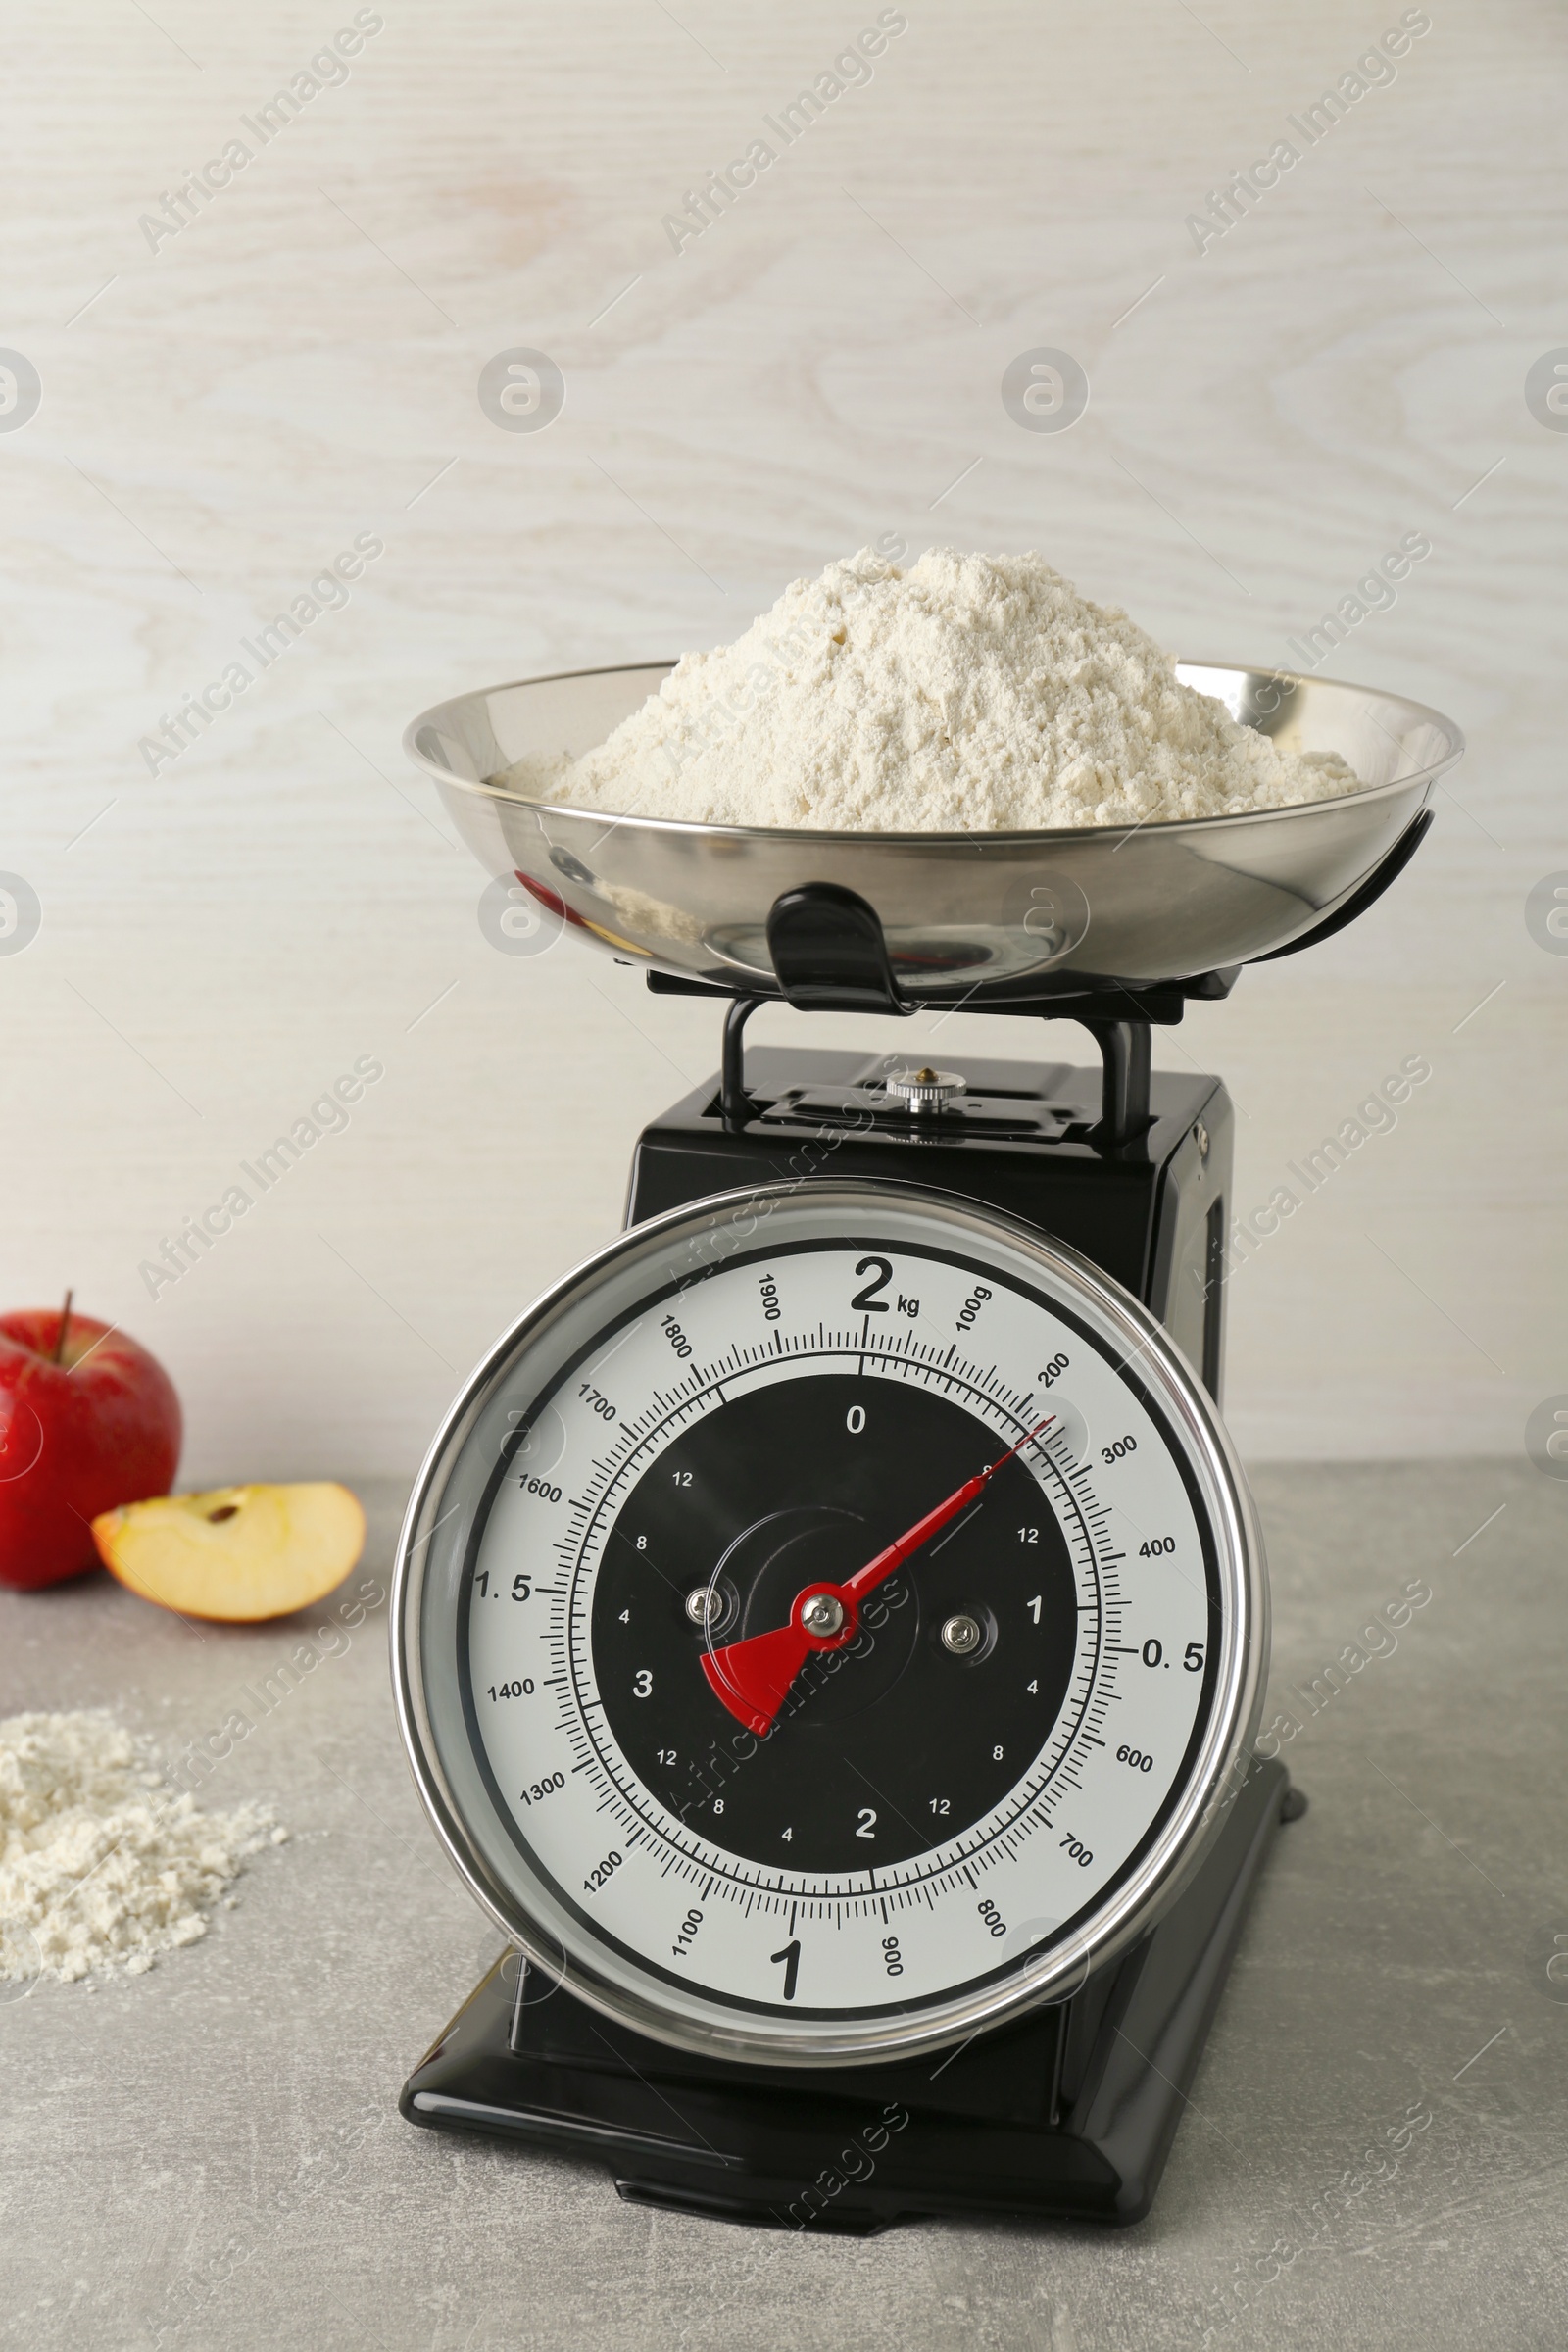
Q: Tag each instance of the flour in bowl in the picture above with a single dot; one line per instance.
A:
(966, 693)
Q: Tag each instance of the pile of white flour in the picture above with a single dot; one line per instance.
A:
(966, 693)
(100, 1866)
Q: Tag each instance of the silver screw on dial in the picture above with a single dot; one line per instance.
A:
(960, 1636)
(822, 1614)
(704, 1604)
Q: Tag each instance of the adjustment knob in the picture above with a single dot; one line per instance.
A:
(926, 1091)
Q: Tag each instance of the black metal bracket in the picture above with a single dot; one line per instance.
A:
(1125, 1054)
(734, 1102)
(829, 952)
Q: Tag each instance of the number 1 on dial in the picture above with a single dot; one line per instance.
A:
(791, 1957)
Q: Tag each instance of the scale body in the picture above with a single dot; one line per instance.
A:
(982, 1315)
(1070, 2110)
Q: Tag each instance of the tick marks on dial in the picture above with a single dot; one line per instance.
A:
(914, 1706)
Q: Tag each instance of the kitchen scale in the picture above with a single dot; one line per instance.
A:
(830, 1626)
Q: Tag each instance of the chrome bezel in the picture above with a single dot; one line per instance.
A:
(425, 1685)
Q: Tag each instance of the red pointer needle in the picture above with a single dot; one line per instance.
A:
(753, 1678)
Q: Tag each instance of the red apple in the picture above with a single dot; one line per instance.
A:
(88, 1420)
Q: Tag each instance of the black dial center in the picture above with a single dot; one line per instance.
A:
(894, 1743)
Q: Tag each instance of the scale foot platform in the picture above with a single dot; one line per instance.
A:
(1069, 2114)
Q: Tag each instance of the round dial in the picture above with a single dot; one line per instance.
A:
(829, 1623)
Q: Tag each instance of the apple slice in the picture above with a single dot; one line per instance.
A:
(240, 1554)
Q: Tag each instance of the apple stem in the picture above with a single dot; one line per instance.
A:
(65, 1324)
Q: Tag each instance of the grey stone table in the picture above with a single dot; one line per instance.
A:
(1376, 2152)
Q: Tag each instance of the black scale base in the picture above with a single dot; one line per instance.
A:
(1070, 2113)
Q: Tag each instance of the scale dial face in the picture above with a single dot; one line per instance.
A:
(881, 1829)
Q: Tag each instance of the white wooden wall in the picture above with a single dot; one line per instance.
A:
(221, 416)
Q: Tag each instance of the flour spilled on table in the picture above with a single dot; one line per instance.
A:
(100, 1868)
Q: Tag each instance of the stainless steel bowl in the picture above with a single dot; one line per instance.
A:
(965, 914)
